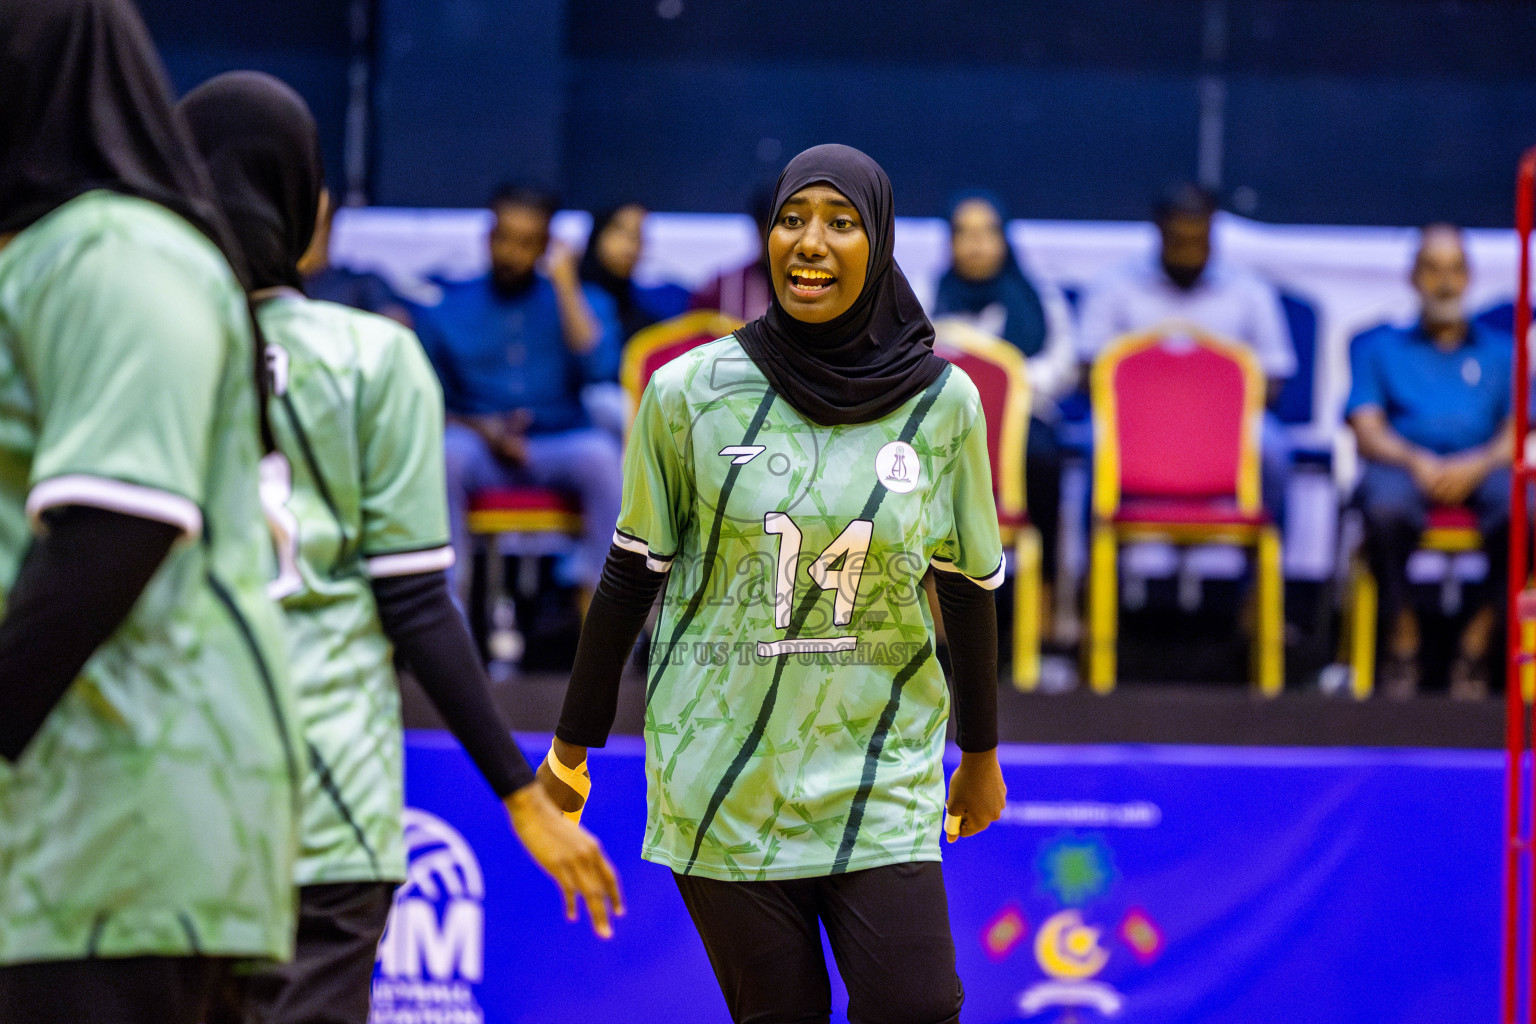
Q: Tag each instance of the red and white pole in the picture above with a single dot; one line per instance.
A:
(1519, 850)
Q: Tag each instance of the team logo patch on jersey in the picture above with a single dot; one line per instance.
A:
(897, 467)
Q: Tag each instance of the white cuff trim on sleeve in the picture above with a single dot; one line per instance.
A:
(991, 582)
(409, 563)
(653, 562)
(115, 496)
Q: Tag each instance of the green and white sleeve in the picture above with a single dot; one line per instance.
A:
(656, 488)
(404, 493)
(974, 547)
(125, 385)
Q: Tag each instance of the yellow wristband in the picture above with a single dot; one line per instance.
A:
(577, 778)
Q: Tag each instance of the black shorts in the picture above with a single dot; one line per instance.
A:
(331, 976)
(889, 932)
(128, 990)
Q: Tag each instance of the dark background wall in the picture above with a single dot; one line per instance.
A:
(307, 43)
(1325, 111)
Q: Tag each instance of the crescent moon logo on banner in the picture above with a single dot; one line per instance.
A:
(1067, 948)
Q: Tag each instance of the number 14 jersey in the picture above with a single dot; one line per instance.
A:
(795, 711)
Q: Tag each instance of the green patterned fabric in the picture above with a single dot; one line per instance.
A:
(795, 711)
(155, 813)
(356, 490)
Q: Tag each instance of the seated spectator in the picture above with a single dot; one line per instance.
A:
(613, 251)
(986, 286)
(743, 292)
(1184, 283)
(1430, 407)
(513, 350)
(342, 285)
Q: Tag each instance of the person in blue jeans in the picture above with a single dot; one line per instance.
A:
(513, 350)
(1430, 408)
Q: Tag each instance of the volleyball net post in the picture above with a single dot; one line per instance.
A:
(1520, 686)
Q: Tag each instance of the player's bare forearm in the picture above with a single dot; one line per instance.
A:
(977, 793)
(570, 755)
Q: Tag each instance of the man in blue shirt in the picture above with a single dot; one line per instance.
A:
(1430, 408)
(513, 351)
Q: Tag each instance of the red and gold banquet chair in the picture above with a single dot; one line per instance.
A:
(524, 522)
(1177, 416)
(1449, 531)
(999, 372)
(659, 344)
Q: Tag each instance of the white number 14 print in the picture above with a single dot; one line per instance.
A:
(851, 546)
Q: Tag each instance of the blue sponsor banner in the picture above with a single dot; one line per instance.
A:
(1145, 884)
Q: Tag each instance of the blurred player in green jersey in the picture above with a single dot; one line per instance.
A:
(789, 486)
(148, 768)
(358, 506)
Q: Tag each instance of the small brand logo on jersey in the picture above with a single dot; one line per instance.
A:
(433, 951)
(743, 453)
(897, 467)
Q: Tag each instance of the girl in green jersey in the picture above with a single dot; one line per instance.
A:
(148, 776)
(790, 485)
(358, 505)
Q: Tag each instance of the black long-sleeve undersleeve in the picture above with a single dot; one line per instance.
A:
(970, 627)
(77, 583)
(620, 604)
(430, 635)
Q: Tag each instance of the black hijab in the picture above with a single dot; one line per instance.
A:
(879, 353)
(1025, 325)
(633, 317)
(84, 105)
(263, 152)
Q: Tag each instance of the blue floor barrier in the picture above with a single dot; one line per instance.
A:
(1197, 885)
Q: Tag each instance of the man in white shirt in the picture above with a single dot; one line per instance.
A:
(1182, 283)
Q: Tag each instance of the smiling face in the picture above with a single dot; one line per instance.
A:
(818, 254)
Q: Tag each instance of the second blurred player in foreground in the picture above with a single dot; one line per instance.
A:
(358, 508)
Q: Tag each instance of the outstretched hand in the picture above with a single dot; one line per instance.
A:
(570, 855)
(977, 794)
